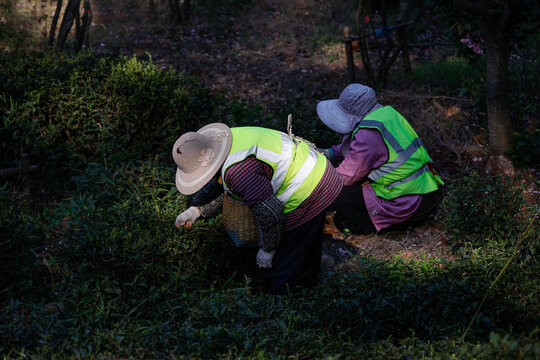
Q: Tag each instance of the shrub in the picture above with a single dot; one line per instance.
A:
(21, 241)
(108, 249)
(24, 72)
(70, 111)
(526, 151)
(154, 107)
(479, 208)
(103, 308)
(35, 89)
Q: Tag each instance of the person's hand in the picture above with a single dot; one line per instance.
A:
(188, 217)
(264, 259)
(327, 153)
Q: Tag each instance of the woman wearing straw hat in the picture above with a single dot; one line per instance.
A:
(389, 180)
(287, 184)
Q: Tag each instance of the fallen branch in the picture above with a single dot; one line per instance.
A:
(23, 169)
(442, 97)
(18, 170)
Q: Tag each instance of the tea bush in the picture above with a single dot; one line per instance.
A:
(153, 107)
(20, 242)
(108, 275)
(526, 151)
(23, 72)
(99, 254)
(97, 312)
(482, 207)
(69, 111)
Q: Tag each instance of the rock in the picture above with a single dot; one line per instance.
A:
(500, 165)
(531, 194)
(327, 263)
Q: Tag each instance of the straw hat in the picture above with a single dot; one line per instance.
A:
(343, 115)
(199, 156)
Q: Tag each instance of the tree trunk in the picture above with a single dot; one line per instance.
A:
(77, 28)
(175, 11)
(497, 42)
(88, 11)
(83, 30)
(405, 59)
(366, 64)
(404, 15)
(496, 25)
(185, 7)
(391, 56)
(70, 13)
(52, 33)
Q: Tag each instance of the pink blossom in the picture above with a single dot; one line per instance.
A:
(472, 45)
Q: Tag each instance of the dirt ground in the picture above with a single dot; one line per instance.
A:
(260, 54)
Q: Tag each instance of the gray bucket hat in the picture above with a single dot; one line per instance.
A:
(343, 115)
(199, 156)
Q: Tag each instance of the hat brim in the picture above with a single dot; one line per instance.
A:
(190, 183)
(336, 119)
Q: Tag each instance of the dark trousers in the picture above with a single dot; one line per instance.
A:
(351, 211)
(297, 262)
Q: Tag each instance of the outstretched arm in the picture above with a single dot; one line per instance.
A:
(205, 203)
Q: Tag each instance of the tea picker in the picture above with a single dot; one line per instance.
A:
(274, 190)
(390, 182)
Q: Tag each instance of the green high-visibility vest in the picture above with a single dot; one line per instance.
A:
(409, 169)
(297, 168)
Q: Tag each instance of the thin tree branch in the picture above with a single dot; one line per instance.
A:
(407, 35)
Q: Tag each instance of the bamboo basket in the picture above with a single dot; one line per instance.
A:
(239, 221)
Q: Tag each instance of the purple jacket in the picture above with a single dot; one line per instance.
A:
(367, 151)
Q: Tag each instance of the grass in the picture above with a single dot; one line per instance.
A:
(443, 74)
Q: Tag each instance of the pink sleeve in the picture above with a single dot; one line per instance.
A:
(336, 151)
(367, 151)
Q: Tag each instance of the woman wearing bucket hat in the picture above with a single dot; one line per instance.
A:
(389, 180)
(287, 184)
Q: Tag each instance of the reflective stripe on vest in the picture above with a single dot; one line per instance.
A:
(297, 169)
(403, 154)
(407, 170)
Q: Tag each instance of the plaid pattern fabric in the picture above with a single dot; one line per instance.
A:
(322, 196)
(250, 180)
